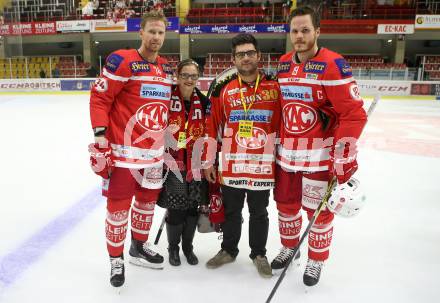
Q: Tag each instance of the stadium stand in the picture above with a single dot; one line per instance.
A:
(431, 65)
(203, 13)
(55, 10)
(32, 67)
(371, 62)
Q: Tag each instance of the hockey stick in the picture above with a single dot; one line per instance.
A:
(159, 232)
(321, 206)
(305, 234)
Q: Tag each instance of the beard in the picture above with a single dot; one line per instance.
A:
(247, 72)
(304, 46)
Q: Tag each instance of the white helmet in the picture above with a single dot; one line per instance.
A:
(346, 199)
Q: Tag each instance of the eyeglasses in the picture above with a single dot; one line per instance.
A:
(186, 76)
(249, 53)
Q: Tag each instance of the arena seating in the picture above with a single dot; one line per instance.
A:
(30, 67)
(226, 15)
(54, 10)
(203, 13)
(432, 67)
(38, 10)
(371, 62)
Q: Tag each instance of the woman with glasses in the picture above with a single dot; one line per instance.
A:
(182, 193)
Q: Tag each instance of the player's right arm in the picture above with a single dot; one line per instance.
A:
(115, 74)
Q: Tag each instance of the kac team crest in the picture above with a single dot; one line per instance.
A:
(299, 118)
(152, 116)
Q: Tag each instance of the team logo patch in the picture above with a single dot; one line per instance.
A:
(264, 116)
(113, 62)
(258, 139)
(155, 91)
(354, 91)
(315, 67)
(153, 116)
(139, 66)
(303, 93)
(283, 67)
(101, 85)
(216, 203)
(167, 69)
(344, 67)
(298, 118)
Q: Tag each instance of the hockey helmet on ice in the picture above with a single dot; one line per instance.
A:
(346, 199)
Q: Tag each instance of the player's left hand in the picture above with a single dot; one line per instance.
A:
(343, 163)
(100, 159)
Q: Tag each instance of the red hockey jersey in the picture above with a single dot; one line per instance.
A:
(321, 104)
(131, 99)
(245, 161)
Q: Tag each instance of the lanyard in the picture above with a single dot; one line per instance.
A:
(243, 101)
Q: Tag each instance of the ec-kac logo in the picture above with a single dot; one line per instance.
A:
(298, 118)
(152, 116)
(258, 139)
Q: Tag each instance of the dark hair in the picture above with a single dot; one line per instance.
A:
(185, 63)
(243, 39)
(306, 10)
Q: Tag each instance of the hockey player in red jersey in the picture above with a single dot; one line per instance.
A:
(322, 117)
(129, 111)
(245, 118)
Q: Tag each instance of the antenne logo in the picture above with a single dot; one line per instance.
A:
(152, 116)
(298, 118)
(248, 29)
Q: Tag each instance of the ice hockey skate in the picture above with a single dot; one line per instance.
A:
(283, 257)
(117, 272)
(312, 272)
(142, 254)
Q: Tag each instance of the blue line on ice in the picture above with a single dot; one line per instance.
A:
(19, 260)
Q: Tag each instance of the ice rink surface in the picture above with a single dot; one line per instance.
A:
(52, 219)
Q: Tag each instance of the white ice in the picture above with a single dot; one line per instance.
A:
(389, 253)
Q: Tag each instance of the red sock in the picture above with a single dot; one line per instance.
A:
(141, 219)
(320, 238)
(290, 228)
(116, 225)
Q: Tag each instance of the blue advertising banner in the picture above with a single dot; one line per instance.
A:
(76, 84)
(134, 24)
(236, 28)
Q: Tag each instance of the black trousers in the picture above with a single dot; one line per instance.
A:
(233, 200)
(177, 216)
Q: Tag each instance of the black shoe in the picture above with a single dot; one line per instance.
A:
(283, 257)
(173, 256)
(117, 272)
(191, 258)
(312, 272)
(142, 254)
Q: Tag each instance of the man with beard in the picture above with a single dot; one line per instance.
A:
(244, 120)
(322, 118)
(129, 111)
